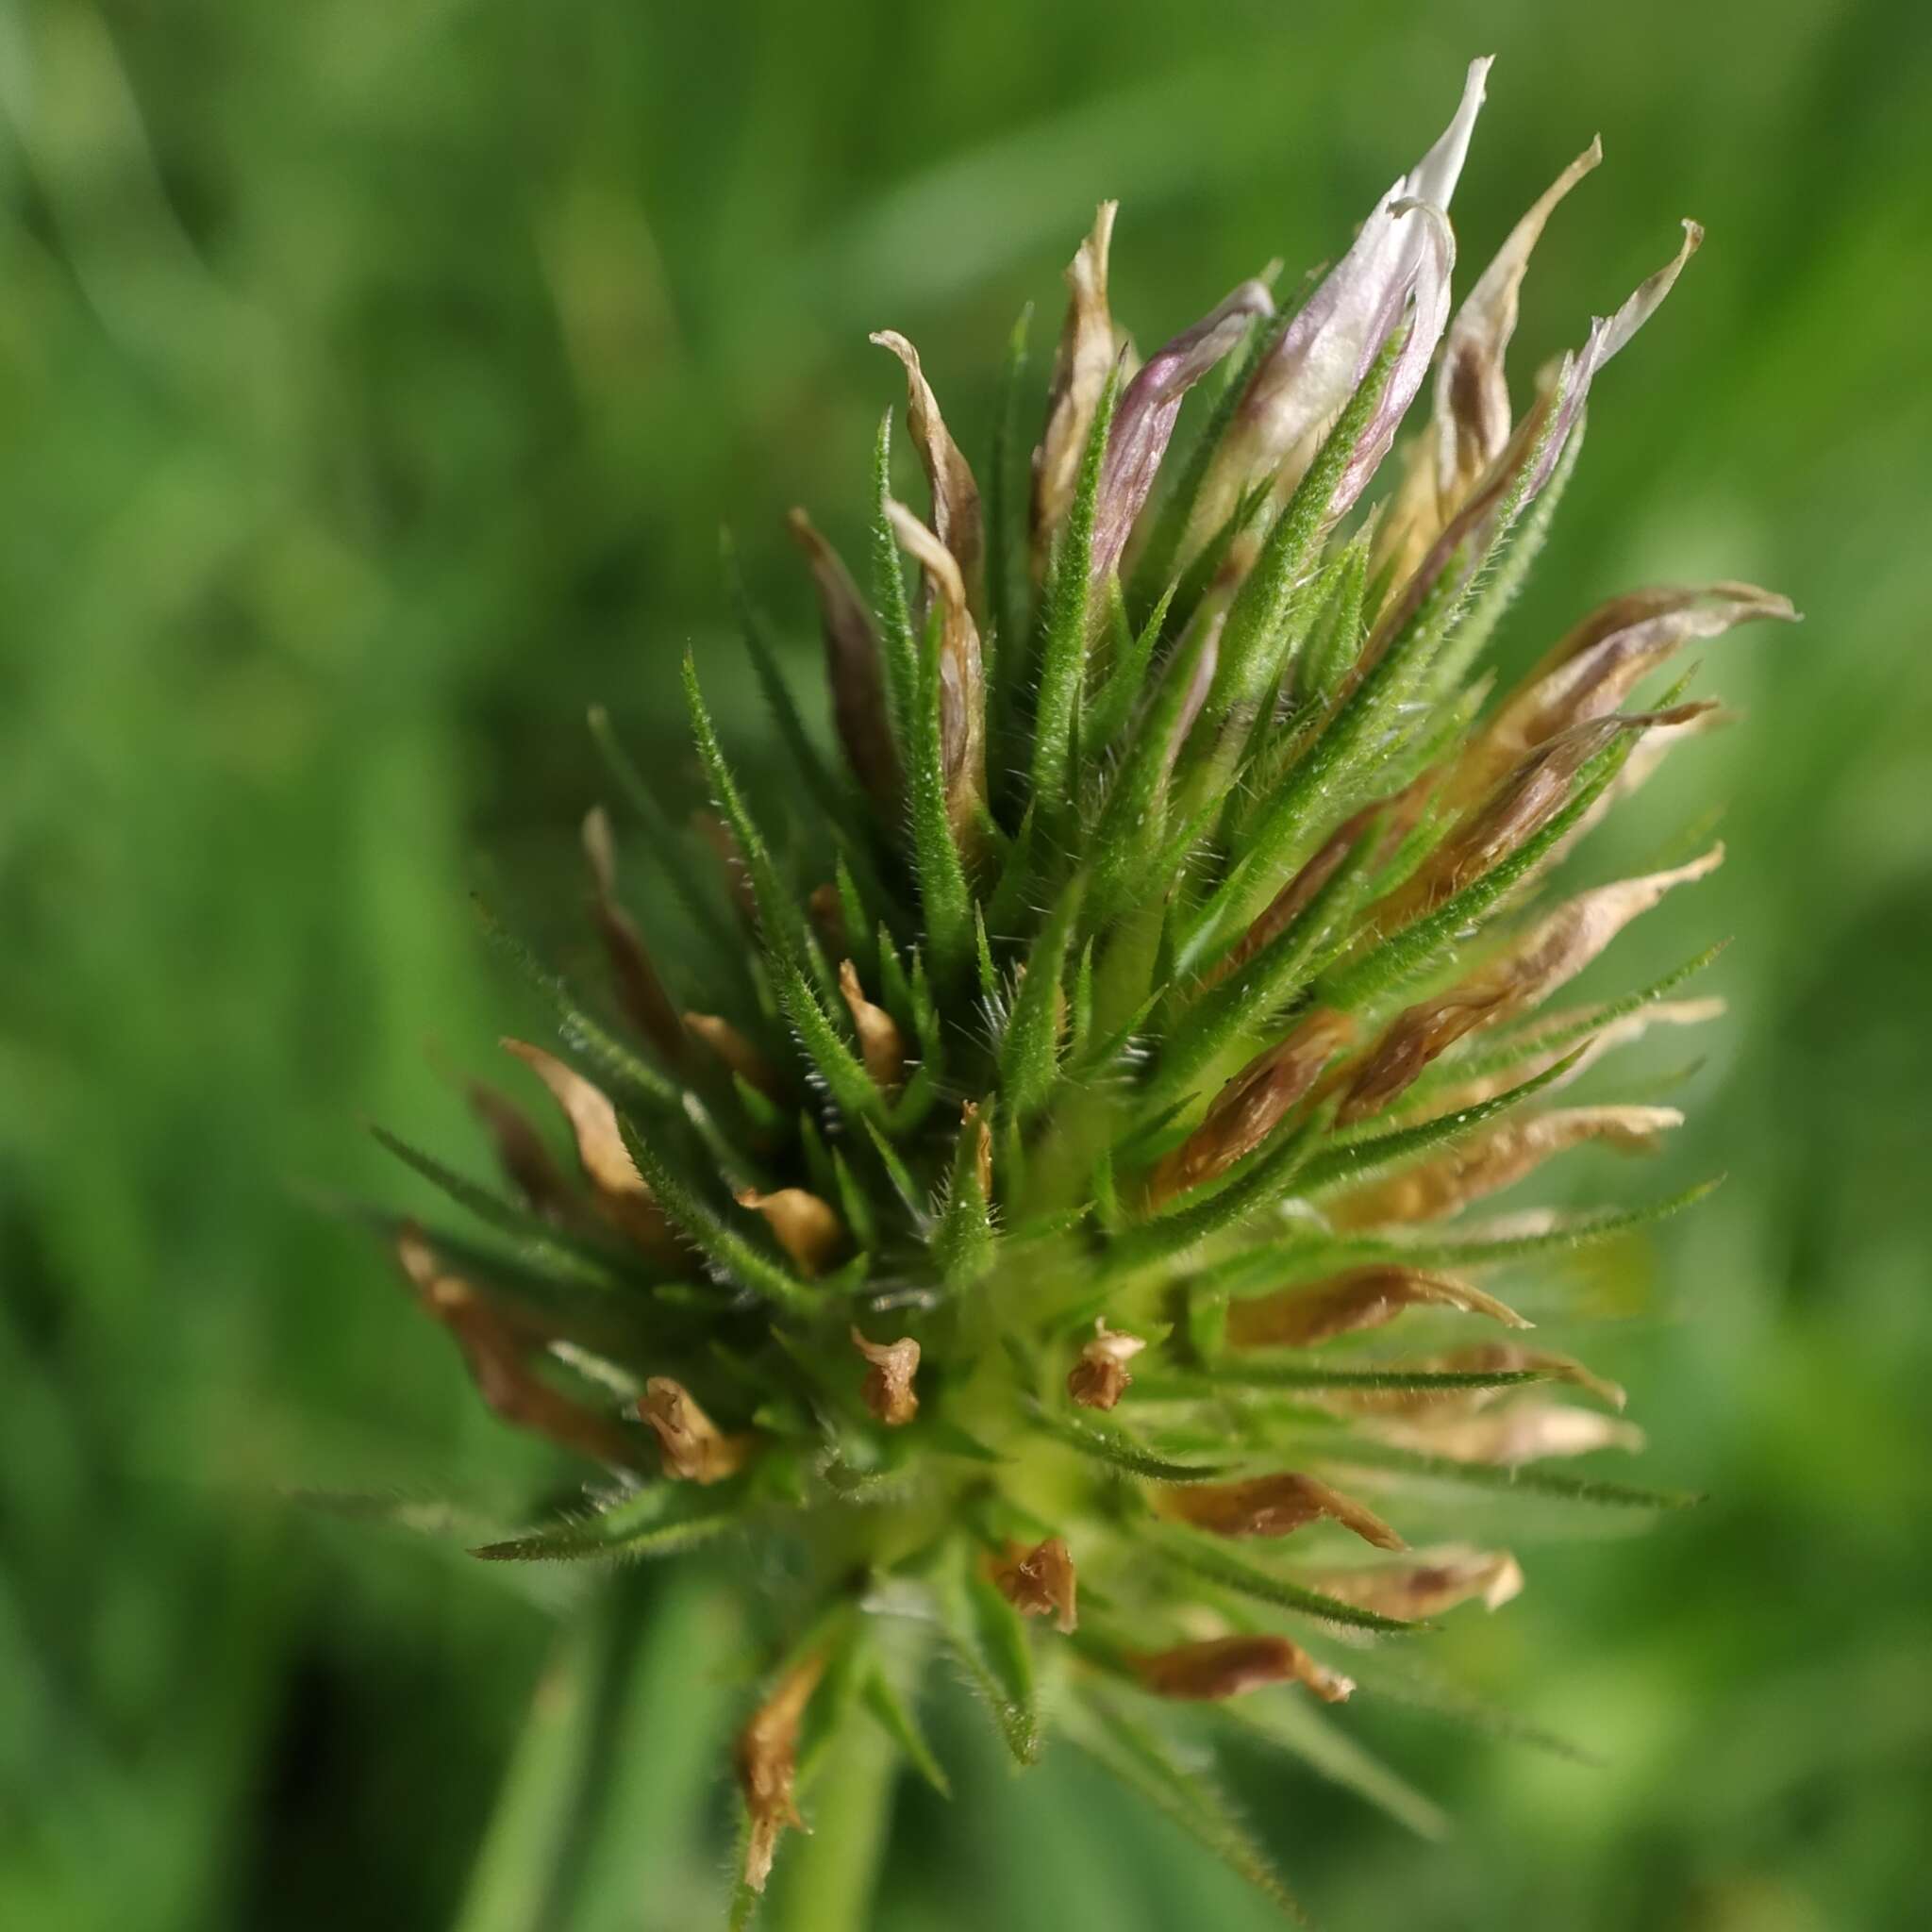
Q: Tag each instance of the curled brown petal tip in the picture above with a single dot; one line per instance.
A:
(880, 1044)
(622, 1194)
(1366, 1298)
(854, 669)
(956, 512)
(767, 1764)
(889, 1391)
(1221, 1667)
(1099, 1379)
(1039, 1582)
(808, 1228)
(1274, 1505)
(692, 1446)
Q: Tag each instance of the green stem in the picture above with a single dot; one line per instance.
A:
(825, 1882)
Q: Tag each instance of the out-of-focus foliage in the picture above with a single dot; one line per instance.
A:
(372, 382)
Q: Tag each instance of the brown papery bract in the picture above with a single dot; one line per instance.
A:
(1366, 1298)
(888, 1388)
(1272, 1505)
(768, 1765)
(695, 1449)
(1221, 1667)
(1039, 1582)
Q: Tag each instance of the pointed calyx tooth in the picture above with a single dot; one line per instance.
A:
(1490, 1162)
(808, 1228)
(639, 988)
(1365, 1298)
(622, 1194)
(497, 1355)
(1434, 1581)
(1507, 1437)
(1397, 268)
(881, 1045)
(767, 1763)
(1530, 968)
(1039, 1582)
(962, 679)
(1274, 1505)
(1220, 1667)
(694, 1448)
(1144, 421)
(738, 1052)
(1253, 1104)
(853, 669)
(1596, 666)
(1100, 1378)
(891, 1365)
(956, 513)
(1613, 1034)
(1082, 366)
(521, 1153)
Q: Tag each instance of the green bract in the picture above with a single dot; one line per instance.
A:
(1032, 1205)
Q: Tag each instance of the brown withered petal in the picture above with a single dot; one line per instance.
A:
(956, 513)
(521, 1153)
(1438, 1580)
(737, 1052)
(1099, 1379)
(880, 1044)
(621, 1190)
(1223, 1667)
(1398, 264)
(854, 670)
(1082, 366)
(639, 988)
(1515, 809)
(1365, 1298)
(1497, 1159)
(1553, 951)
(808, 1228)
(1253, 1104)
(694, 1448)
(1471, 411)
(1274, 1505)
(889, 1390)
(1523, 1432)
(1149, 406)
(1593, 669)
(962, 679)
(767, 1761)
(1039, 1582)
(496, 1356)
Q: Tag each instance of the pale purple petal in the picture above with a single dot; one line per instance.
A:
(1148, 409)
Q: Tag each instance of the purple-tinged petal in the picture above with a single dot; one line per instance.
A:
(1333, 340)
(1150, 405)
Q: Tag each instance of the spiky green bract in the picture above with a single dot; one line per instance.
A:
(1064, 1191)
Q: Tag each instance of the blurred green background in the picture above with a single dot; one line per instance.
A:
(374, 381)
